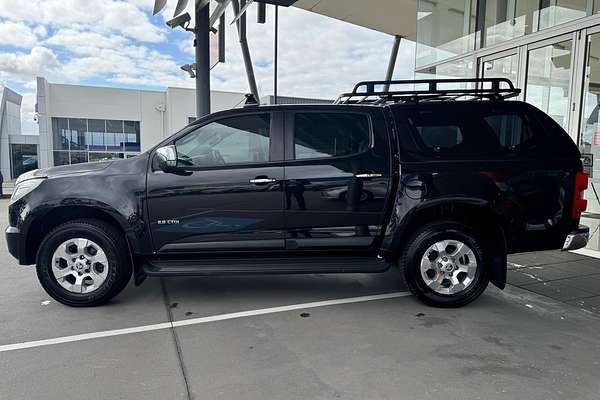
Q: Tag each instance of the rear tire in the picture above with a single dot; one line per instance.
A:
(445, 265)
(84, 263)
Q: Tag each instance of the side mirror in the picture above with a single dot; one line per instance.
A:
(167, 158)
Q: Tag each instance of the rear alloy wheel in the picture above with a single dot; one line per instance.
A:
(444, 264)
(84, 263)
(448, 267)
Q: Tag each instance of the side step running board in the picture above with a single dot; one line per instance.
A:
(312, 265)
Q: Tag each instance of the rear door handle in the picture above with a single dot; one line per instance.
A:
(262, 181)
(367, 176)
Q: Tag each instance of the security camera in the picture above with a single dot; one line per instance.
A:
(181, 21)
(189, 68)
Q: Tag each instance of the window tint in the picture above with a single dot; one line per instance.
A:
(440, 138)
(474, 130)
(512, 131)
(237, 140)
(318, 135)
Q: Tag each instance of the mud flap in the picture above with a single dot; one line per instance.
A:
(498, 271)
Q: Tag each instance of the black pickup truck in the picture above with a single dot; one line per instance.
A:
(441, 182)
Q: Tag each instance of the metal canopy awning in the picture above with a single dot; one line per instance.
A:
(395, 17)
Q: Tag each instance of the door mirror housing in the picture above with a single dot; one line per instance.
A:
(167, 158)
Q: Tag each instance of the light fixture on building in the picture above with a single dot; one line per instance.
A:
(189, 68)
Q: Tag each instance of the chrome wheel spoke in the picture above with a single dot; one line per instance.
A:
(62, 273)
(453, 268)
(80, 265)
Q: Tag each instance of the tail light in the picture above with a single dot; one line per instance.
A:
(579, 203)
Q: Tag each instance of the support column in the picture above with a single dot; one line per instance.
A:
(276, 57)
(241, 26)
(393, 58)
(202, 33)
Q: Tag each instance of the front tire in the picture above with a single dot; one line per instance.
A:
(444, 264)
(84, 263)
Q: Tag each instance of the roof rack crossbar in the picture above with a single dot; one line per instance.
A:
(369, 93)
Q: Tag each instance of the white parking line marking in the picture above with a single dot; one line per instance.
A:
(195, 321)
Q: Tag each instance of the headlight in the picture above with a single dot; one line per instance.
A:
(23, 188)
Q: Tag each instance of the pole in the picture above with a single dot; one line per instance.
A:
(276, 55)
(202, 33)
(241, 25)
(393, 58)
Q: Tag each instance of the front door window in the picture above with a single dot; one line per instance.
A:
(237, 140)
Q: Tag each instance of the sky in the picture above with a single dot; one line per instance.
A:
(119, 43)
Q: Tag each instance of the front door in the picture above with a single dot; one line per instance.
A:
(337, 178)
(226, 193)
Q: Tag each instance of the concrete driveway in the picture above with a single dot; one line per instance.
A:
(290, 337)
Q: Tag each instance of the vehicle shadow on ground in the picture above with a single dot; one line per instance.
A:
(262, 290)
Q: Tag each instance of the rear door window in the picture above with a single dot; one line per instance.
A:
(322, 135)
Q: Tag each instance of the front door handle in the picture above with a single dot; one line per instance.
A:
(368, 176)
(259, 180)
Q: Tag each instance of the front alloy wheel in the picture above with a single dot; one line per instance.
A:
(80, 265)
(84, 263)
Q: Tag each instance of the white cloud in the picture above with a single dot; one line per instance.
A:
(101, 16)
(25, 66)
(81, 42)
(16, 34)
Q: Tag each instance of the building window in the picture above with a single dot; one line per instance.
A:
(464, 68)
(548, 80)
(24, 157)
(503, 67)
(445, 28)
(78, 140)
(508, 19)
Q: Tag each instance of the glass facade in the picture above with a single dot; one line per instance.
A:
(79, 140)
(548, 80)
(23, 158)
(507, 19)
(502, 67)
(449, 28)
(445, 28)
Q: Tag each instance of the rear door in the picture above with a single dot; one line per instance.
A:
(337, 177)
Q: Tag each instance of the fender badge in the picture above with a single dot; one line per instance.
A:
(167, 221)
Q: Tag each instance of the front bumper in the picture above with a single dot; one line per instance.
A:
(577, 239)
(13, 240)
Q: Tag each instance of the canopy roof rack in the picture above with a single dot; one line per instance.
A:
(379, 92)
